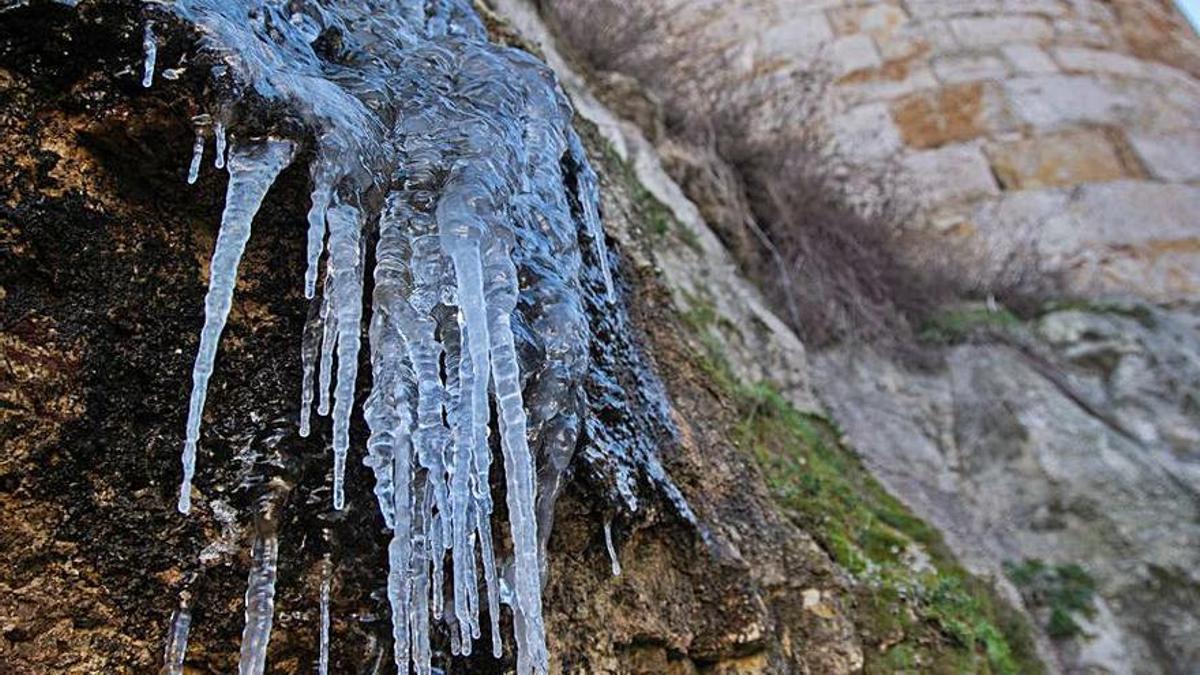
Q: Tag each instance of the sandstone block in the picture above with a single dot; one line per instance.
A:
(948, 115)
(1062, 159)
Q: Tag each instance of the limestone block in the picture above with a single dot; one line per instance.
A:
(1052, 101)
(879, 21)
(1088, 60)
(1062, 159)
(852, 52)
(866, 131)
(941, 9)
(891, 80)
(955, 173)
(800, 36)
(993, 31)
(969, 67)
(1169, 157)
(1029, 59)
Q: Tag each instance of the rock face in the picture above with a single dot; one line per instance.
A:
(1081, 449)
(1040, 126)
(101, 294)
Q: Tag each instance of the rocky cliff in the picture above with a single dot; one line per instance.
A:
(788, 556)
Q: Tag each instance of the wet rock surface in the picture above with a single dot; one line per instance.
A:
(105, 253)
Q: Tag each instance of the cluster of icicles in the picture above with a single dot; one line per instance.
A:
(463, 145)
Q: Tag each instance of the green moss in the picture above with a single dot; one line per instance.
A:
(931, 617)
(1067, 592)
(955, 326)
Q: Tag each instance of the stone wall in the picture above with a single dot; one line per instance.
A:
(1069, 129)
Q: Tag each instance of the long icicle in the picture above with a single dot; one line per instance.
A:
(518, 460)
(345, 257)
(252, 171)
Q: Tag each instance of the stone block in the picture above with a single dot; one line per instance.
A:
(1088, 60)
(948, 115)
(1029, 59)
(891, 80)
(800, 36)
(993, 31)
(941, 9)
(1048, 102)
(958, 68)
(880, 21)
(949, 175)
(866, 132)
(1062, 159)
(849, 53)
(1169, 157)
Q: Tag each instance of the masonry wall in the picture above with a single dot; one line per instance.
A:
(1069, 129)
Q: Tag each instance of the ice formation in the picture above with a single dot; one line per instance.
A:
(455, 158)
(150, 50)
(177, 638)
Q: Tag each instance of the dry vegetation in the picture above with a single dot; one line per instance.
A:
(750, 150)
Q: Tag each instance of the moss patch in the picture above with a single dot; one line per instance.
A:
(1065, 593)
(958, 325)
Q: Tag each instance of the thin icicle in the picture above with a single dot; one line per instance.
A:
(197, 156)
(345, 257)
(175, 651)
(323, 659)
(589, 199)
(252, 171)
(612, 551)
(328, 343)
(518, 460)
(260, 604)
(310, 344)
(322, 194)
(219, 135)
(150, 49)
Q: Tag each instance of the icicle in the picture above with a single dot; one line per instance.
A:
(518, 460)
(589, 199)
(175, 651)
(612, 551)
(260, 604)
(322, 194)
(323, 659)
(419, 612)
(252, 171)
(328, 342)
(345, 257)
(310, 344)
(150, 49)
(197, 156)
(219, 134)
(400, 556)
